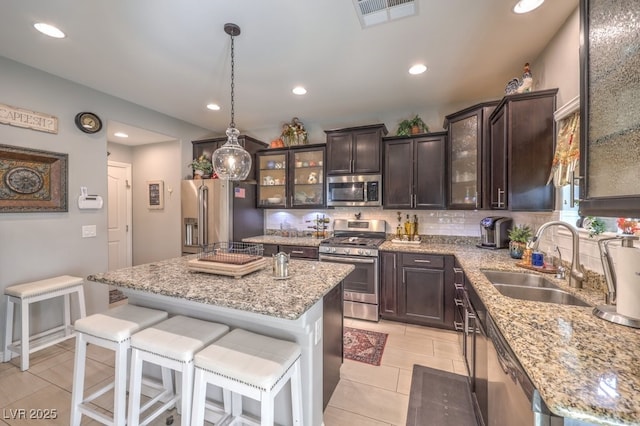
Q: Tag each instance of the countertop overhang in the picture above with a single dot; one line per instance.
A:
(258, 292)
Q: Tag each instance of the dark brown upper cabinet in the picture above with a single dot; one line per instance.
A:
(468, 154)
(522, 139)
(355, 150)
(414, 172)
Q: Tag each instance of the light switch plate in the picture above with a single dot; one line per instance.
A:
(88, 231)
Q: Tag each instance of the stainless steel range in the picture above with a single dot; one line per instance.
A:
(357, 242)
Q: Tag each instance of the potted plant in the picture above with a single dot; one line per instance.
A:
(202, 167)
(412, 127)
(519, 235)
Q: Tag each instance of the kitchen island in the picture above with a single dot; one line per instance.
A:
(290, 309)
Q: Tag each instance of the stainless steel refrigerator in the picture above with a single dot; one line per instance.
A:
(216, 210)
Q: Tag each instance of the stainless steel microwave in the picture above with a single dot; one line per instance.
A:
(350, 190)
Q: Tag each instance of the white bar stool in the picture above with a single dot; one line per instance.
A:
(23, 295)
(252, 365)
(170, 344)
(112, 330)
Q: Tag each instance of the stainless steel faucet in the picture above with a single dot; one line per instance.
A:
(576, 275)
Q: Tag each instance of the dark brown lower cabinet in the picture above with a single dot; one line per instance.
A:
(295, 252)
(332, 329)
(418, 288)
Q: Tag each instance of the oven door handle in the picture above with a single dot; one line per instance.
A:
(347, 259)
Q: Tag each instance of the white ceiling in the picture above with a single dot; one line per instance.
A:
(174, 56)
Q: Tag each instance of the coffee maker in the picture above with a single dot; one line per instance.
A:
(494, 232)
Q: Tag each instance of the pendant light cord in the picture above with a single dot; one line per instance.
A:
(232, 124)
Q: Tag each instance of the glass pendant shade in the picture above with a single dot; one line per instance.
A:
(231, 161)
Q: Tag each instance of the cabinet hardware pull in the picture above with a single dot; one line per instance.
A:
(297, 251)
(404, 276)
(394, 262)
(421, 261)
(415, 201)
(500, 202)
(573, 201)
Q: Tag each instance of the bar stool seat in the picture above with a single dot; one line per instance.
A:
(251, 365)
(111, 329)
(170, 344)
(22, 296)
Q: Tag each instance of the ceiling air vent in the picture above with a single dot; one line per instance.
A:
(373, 12)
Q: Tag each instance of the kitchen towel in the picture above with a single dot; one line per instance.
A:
(626, 261)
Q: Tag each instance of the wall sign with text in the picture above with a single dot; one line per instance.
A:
(19, 117)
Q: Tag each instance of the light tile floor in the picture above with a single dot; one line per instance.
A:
(366, 395)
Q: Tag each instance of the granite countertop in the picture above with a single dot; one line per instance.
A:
(258, 292)
(287, 241)
(584, 367)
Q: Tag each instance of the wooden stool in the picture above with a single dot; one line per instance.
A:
(112, 330)
(23, 295)
(252, 365)
(170, 344)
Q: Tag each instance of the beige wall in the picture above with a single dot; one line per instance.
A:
(39, 245)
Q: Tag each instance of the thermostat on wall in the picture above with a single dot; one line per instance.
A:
(88, 201)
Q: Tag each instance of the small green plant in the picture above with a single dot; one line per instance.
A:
(412, 127)
(520, 233)
(596, 226)
(202, 164)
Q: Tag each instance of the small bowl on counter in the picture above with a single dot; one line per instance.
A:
(274, 200)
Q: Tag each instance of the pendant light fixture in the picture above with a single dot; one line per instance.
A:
(231, 161)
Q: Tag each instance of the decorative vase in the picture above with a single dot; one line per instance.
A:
(415, 130)
(516, 249)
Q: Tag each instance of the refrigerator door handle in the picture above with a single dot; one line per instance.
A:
(203, 231)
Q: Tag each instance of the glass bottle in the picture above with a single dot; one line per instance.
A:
(415, 227)
(407, 228)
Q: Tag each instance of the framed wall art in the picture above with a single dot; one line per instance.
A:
(155, 194)
(32, 180)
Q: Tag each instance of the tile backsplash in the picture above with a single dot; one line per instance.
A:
(430, 222)
(462, 223)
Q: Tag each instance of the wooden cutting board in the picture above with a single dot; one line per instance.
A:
(227, 269)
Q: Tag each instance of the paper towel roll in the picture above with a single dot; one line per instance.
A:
(626, 261)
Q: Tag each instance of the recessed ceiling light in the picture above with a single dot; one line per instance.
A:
(299, 90)
(49, 30)
(214, 107)
(120, 135)
(417, 69)
(524, 6)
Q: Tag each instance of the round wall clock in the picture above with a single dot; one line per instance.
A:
(88, 122)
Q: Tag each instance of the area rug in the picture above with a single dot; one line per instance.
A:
(439, 398)
(364, 345)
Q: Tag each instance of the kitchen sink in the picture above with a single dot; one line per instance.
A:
(531, 287)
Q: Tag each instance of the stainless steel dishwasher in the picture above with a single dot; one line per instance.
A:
(510, 390)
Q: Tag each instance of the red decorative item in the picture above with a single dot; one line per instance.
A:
(628, 226)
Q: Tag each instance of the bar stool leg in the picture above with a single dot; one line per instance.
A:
(199, 397)
(78, 379)
(135, 387)
(8, 330)
(119, 393)
(67, 313)
(266, 409)
(187, 384)
(24, 343)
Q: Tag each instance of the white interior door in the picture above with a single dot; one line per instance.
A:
(119, 215)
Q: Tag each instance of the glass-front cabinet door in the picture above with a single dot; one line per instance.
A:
(291, 177)
(468, 159)
(272, 178)
(307, 177)
(464, 162)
